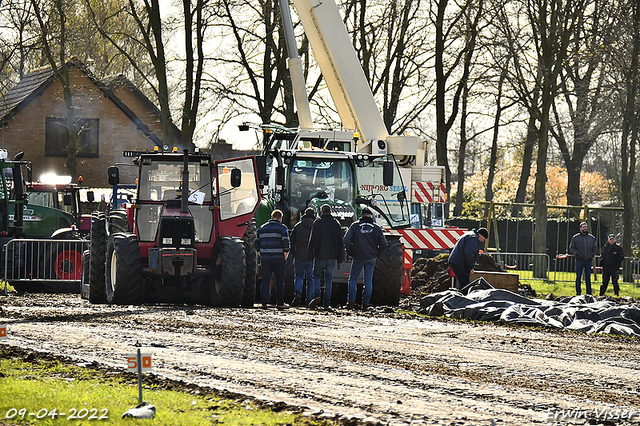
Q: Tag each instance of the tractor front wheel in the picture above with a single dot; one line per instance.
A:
(123, 278)
(228, 286)
(387, 275)
(251, 258)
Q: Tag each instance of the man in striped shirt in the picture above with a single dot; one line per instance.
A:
(272, 244)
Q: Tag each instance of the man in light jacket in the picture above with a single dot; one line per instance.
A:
(583, 247)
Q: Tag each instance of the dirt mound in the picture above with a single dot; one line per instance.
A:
(432, 275)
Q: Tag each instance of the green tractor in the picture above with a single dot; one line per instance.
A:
(316, 168)
(41, 245)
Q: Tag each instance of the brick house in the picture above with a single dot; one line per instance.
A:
(114, 114)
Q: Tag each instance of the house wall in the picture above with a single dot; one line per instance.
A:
(26, 132)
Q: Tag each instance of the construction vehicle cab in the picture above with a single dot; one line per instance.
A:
(182, 240)
(53, 205)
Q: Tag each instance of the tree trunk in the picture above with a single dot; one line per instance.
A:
(493, 158)
(527, 157)
(457, 211)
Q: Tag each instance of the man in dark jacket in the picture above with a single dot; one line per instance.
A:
(611, 260)
(299, 249)
(464, 255)
(272, 243)
(326, 248)
(583, 247)
(364, 243)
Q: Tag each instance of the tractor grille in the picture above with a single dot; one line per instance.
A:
(176, 232)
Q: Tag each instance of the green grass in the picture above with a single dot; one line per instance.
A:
(563, 284)
(46, 385)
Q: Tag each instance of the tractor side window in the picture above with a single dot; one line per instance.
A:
(44, 199)
(239, 200)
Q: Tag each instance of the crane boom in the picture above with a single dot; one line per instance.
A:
(341, 68)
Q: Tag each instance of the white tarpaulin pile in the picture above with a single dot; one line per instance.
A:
(481, 302)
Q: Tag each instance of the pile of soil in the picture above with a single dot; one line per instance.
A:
(432, 275)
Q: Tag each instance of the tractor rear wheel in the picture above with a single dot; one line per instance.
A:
(97, 250)
(387, 275)
(123, 276)
(228, 285)
(251, 258)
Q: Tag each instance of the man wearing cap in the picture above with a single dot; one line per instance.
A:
(326, 249)
(465, 253)
(611, 260)
(364, 243)
(583, 247)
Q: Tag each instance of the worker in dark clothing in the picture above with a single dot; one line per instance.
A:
(611, 260)
(272, 244)
(300, 251)
(583, 247)
(364, 243)
(465, 253)
(326, 249)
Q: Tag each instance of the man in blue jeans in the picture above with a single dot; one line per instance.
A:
(299, 249)
(583, 247)
(364, 243)
(272, 243)
(327, 249)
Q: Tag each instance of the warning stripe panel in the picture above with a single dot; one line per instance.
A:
(427, 192)
(432, 239)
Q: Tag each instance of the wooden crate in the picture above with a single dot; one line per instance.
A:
(503, 280)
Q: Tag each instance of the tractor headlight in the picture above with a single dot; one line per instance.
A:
(185, 241)
(167, 241)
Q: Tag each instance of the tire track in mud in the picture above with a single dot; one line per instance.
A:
(386, 368)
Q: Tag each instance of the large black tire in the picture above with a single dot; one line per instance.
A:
(251, 259)
(123, 276)
(289, 280)
(228, 285)
(387, 275)
(97, 250)
(118, 222)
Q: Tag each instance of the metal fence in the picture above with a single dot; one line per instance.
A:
(530, 266)
(43, 264)
(540, 267)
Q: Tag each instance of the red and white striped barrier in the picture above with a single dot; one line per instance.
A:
(431, 239)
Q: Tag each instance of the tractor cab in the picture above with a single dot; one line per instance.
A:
(52, 204)
(347, 181)
(188, 221)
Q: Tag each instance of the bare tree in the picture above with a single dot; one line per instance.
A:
(54, 38)
(451, 57)
(585, 93)
(149, 36)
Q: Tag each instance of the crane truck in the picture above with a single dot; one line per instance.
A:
(350, 169)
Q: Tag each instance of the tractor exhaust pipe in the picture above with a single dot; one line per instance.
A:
(184, 204)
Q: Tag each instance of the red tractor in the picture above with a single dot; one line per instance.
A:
(182, 241)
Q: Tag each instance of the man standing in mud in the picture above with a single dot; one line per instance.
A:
(583, 247)
(465, 253)
(611, 260)
(272, 243)
(326, 249)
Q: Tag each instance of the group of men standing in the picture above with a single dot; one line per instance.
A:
(583, 246)
(318, 245)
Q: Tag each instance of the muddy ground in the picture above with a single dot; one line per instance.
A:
(380, 366)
